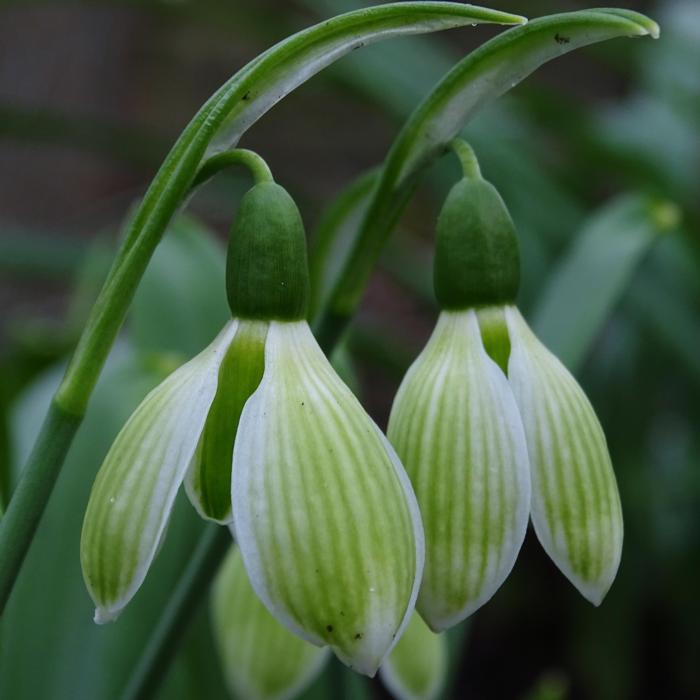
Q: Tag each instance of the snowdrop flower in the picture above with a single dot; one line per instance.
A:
(268, 439)
(491, 427)
(417, 667)
(261, 659)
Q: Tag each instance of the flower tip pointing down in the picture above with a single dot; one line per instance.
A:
(105, 615)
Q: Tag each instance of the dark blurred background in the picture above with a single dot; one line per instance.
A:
(598, 157)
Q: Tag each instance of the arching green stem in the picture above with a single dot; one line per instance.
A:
(239, 156)
(467, 158)
(485, 74)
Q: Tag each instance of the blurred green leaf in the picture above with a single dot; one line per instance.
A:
(181, 301)
(589, 280)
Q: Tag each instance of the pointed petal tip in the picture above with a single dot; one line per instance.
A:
(104, 615)
(364, 664)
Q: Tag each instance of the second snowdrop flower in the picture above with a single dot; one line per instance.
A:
(486, 415)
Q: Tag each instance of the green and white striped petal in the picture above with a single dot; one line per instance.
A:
(262, 659)
(575, 502)
(208, 480)
(457, 430)
(135, 489)
(324, 514)
(417, 666)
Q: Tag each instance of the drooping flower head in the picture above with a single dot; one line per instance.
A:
(269, 440)
(491, 426)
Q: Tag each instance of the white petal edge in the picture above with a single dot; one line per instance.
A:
(528, 354)
(463, 326)
(175, 428)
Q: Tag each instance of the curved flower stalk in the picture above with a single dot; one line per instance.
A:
(486, 411)
(326, 520)
(261, 659)
(417, 667)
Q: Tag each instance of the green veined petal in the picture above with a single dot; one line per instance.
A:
(325, 517)
(208, 480)
(134, 491)
(457, 430)
(576, 508)
(417, 666)
(262, 659)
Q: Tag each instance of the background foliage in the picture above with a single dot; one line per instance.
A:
(597, 156)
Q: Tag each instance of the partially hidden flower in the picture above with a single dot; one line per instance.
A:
(416, 669)
(261, 659)
(490, 427)
(269, 440)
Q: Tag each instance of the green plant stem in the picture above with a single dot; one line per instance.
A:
(467, 158)
(239, 156)
(189, 593)
(22, 517)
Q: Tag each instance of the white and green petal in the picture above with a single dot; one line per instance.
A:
(135, 489)
(261, 659)
(208, 480)
(324, 513)
(417, 666)
(457, 430)
(576, 508)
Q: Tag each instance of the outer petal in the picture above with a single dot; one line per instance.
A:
(262, 659)
(325, 516)
(416, 668)
(456, 428)
(575, 503)
(134, 491)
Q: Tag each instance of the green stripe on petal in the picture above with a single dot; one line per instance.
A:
(325, 517)
(417, 667)
(134, 491)
(208, 481)
(262, 659)
(457, 430)
(576, 508)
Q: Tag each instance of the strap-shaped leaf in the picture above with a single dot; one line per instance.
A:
(591, 277)
(482, 76)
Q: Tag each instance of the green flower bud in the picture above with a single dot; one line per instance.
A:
(477, 260)
(417, 667)
(267, 274)
(261, 659)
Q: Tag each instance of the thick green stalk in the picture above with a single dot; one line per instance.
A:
(22, 517)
